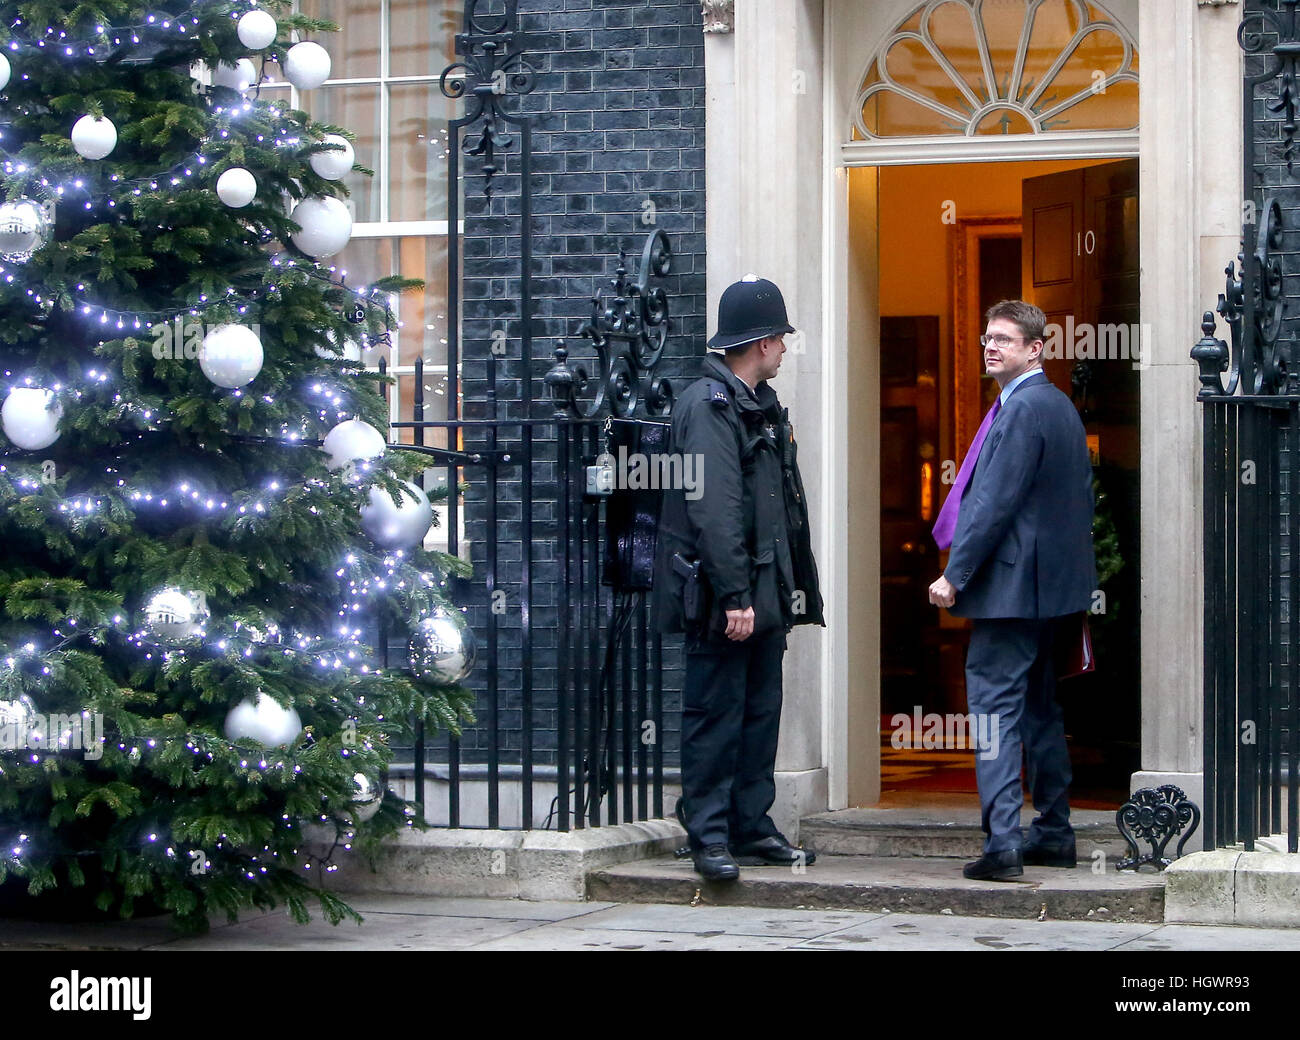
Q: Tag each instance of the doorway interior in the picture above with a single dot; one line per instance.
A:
(953, 239)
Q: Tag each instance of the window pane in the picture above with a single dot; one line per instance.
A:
(354, 49)
(424, 311)
(421, 36)
(418, 115)
(356, 109)
(365, 260)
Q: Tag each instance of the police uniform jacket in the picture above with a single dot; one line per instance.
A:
(748, 526)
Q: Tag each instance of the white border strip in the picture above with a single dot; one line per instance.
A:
(1011, 148)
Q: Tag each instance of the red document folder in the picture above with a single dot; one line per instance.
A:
(1074, 647)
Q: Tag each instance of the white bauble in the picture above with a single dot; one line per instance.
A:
(256, 30)
(231, 356)
(236, 187)
(20, 723)
(30, 417)
(4, 72)
(397, 526)
(350, 440)
(326, 225)
(24, 228)
(307, 65)
(94, 138)
(172, 616)
(263, 720)
(351, 349)
(334, 165)
(239, 76)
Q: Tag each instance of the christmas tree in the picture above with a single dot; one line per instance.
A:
(201, 527)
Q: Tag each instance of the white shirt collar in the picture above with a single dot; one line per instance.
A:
(1011, 386)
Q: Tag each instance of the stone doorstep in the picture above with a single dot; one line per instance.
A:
(501, 864)
(895, 884)
(1232, 886)
(954, 833)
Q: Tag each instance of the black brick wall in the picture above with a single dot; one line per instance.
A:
(618, 122)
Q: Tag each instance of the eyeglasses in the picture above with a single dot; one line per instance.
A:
(1000, 341)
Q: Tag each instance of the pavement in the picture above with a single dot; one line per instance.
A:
(400, 922)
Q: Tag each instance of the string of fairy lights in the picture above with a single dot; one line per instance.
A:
(365, 577)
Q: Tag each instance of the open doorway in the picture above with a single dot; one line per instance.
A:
(953, 239)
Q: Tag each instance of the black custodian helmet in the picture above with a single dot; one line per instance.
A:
(750, 309)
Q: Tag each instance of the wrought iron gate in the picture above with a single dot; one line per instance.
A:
(581, 716)
(1251, 432)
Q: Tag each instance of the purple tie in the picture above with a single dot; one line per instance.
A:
(946, 525)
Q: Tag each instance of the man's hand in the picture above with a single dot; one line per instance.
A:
(942, 594)
(740, 624)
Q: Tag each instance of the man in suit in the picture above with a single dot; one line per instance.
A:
(1021, 561)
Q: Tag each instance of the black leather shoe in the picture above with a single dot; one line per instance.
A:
(995, 866)
(1049, 856)
(715, 863)
(773, 850)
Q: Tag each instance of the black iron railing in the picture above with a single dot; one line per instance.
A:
(1252, 626)
(1251, 439)
(570, 700)
(588, 746)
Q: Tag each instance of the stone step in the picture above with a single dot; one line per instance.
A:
(893, 884)
(940, 832)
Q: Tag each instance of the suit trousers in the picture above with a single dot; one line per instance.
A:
(731, 716)
(1010, 675)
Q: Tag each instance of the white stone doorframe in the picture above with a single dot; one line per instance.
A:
(781, 75)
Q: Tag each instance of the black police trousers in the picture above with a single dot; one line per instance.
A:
(731, 715)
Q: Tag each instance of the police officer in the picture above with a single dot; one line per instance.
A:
(734, 571)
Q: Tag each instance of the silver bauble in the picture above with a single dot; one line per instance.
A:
(263, 720)
(24, 228)
(174, 616)
(397, 526)
(366, 799)
(442, 647)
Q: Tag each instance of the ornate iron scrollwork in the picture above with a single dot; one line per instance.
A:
(1253, 34)
(1253, 308)
(1258, 360)
(1155, 815)
(491, 66)
(628, 336)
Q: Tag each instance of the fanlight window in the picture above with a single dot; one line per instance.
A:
(983, 67)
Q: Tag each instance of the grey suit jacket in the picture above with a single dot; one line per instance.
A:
(1023, 543)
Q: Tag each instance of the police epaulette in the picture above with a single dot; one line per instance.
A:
(718, 395)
